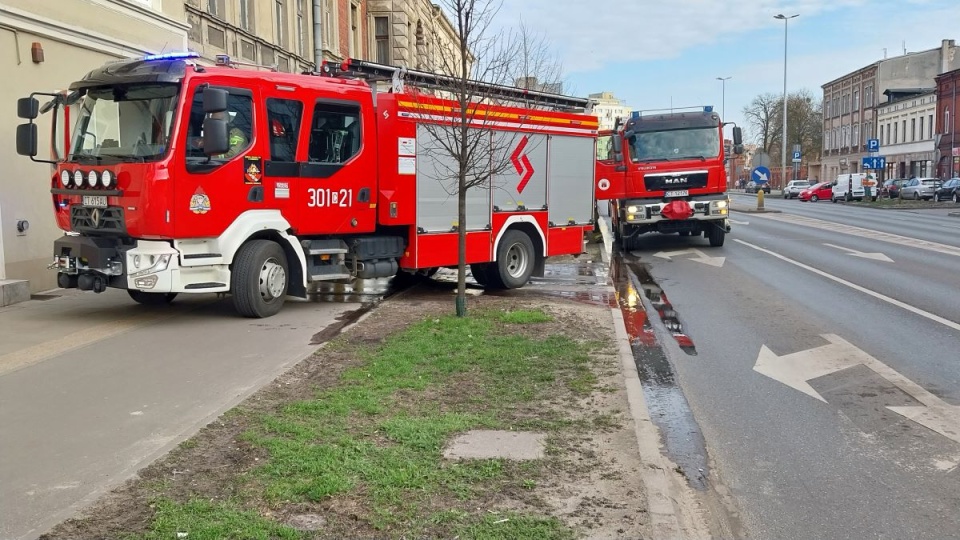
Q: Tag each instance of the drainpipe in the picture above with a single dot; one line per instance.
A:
(317, 34)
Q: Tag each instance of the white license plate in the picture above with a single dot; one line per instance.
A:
(96, 201)
(677, 193)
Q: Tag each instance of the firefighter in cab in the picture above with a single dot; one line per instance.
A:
(236, 136)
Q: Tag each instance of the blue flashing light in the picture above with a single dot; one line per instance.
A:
(708, 108)
(171, 56)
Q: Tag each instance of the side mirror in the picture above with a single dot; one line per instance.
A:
(28, 108)
(738, 149)
(738, 137)
(215, 140)
(214, 100)
(617, 143)
(27, 138)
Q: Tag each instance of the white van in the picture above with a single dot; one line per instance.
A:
(851, 187)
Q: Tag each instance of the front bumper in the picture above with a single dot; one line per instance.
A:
(645, 212)
(94, 263)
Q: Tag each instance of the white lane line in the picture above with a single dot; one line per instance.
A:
(864, 233)
(926, 314)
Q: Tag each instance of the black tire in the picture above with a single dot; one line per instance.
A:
(785, 196)
(259, 279)
(814, 198)
(151, 298)
(480, 272)
(515, 261)
(684, 233)
(716, 236)
(916, 195)
(956, 198)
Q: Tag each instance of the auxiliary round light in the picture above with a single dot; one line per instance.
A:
(92, 178)
(64, 178)
(77, 179)
(106, 179)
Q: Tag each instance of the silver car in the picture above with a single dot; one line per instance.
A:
(919, 188)
(794, 187)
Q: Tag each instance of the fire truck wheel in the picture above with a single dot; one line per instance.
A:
(480, 273)
(259, 280)
(151, 298)
(515, 260)
(716, 236)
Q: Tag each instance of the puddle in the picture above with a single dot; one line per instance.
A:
(361, 291)
(682, 440)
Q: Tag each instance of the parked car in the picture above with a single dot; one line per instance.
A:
(950, 190)
(794, 187)
(891, 188)
(823, 190)
(753, 187)
(919, 188)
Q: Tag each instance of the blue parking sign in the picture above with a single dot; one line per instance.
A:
(873, 145)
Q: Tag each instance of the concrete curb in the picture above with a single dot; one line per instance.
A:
(667, 494)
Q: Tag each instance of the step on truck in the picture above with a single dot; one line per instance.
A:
(187, 178)
(664, 172)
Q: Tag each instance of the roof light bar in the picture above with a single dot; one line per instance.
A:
(171, 56)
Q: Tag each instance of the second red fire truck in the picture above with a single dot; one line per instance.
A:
(184, 178)
(664, 172)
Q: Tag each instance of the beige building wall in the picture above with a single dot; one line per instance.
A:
(607, 108)
(419, 35)
(72, 35)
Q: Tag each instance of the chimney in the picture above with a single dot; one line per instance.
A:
(947, 51)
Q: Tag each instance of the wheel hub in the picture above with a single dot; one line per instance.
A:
(516, 260)
(273, 279)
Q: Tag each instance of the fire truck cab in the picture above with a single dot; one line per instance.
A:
(184, 178)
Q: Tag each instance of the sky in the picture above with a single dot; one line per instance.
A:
(656, 54)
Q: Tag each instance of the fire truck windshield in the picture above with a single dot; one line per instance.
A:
(130, 122)
(667, 145)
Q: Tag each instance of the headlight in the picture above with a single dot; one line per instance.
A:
(92, 179)
(106, 179)
(632, 209)
(77, 179)
(64, 178)
(721, 204)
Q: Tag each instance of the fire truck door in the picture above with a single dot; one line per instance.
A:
(337, 184)
(281, 171)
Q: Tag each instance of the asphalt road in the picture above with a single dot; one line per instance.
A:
(94, 387)
(827, 376)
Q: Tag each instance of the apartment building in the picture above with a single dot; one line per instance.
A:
(849, 102)
(608, 108)
(906, 129)
(412, 33)
(948, 105)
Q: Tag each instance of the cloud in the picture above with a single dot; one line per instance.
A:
(646, 30)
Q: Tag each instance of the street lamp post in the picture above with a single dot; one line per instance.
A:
(783, 157)
(723, 102)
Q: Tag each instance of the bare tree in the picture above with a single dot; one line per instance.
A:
(804, 123)
(761, 115)
(461, 153)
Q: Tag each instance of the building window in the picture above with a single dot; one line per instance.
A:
(895, 138)
(215, 8)
(868, 96)
(855, 138)
(856, 100)
(330, 39)
(281, 17)
(355, 31)
(246, 15)
(301, 29)
(921, 127)
(382, 32)
(903, 129)
(930, 126)
(913, 129)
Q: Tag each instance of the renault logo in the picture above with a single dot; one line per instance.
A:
(95, 218)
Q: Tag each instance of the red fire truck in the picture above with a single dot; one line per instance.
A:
(664, 173)
(185, 178)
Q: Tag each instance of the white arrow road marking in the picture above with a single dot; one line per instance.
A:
(795, 369)
(875, 256)
(701, 257)
(926, 314)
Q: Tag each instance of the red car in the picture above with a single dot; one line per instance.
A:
(814, 193)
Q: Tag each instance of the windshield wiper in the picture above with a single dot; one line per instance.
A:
(86, 157)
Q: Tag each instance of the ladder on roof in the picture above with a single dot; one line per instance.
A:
(400, 75)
